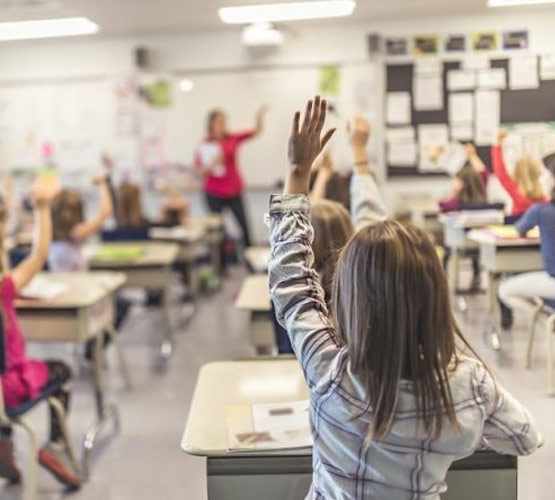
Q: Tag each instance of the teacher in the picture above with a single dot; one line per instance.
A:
(216, 159)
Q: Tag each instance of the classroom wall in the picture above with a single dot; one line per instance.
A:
(185, 53)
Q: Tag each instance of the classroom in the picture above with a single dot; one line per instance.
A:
(279, 249)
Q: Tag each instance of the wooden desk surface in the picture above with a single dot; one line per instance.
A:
(210, 221)
(226, 383)
(85, 289)
(254, 294)
(472, 219)
(483, 236)
(156, 254)
(257, 258)
(178, 234)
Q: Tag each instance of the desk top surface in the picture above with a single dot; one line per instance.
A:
(178, 234)
(472, 219)
(257, 258)
(254, 294)
(226, 383)
(485, 237)
(210, 221)
(84, 289)
(155, 254)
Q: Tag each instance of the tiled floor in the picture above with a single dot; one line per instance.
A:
(145, 462)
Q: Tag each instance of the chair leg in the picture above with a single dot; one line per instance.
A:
(550, 333)
(531, 333)
(121, 357)
(30, 486)
(60, 411)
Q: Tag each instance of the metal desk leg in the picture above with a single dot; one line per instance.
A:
(166, 349)
(104, 413)
(453, 279)
(493, 322)
(121, 356)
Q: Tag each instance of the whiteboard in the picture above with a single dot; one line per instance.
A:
(284, 90)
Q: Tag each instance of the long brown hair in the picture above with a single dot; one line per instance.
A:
(129, 206)
(473, 188)
(527, 175)
(212, 115)
(332, 230)
(67, 213)
(392, 310)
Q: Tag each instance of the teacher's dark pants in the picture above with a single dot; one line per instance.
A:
(236, 206)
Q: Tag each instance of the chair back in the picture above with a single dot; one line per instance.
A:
(482, 206)
(125, 234)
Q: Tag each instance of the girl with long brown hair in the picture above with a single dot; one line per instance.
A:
(394, 401)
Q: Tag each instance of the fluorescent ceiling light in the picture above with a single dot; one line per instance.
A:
(510, 3)
(295, 11)
(47, 28)
(186, 85)
(262, 35)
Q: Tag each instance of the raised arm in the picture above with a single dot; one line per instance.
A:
(259, 120)
(500, 169)
(323, 175)
(474, 159)
(44, 191)
(509, 428)
(367, 205)
(89, 227)
(294, 285)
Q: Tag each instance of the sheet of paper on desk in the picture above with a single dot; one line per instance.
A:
(398, 108)
(281, 416)
(41, 288)
(510, 232)
(428, 92)
(523, 72)
(488, 116)
(120, 252)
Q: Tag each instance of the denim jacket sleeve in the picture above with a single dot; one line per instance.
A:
(367, 205)
(296, 291)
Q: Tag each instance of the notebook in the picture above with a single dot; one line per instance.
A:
(120, 252)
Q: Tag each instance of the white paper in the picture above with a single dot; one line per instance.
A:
(547, 67)
(475, 61)
(280, 416)
(433, 140)
(460, 79)
(400, 134)
(461, 108)
(492, 79)
(402, 153)
(209, 152)
(428, 92)
(41, 288)
(488, 114)
(462, 132)
(398, 108)
(428, 66)
(523, 72)
(453, 158)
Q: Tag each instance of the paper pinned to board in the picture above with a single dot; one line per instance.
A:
(428, 66)
(398, 108)
(460, 79)
(428, 92)
(462, 132)
(401, 145)
(488, 116)
(453, 158)
(476, 61)
(461, 107)
(547, 67)
(523, 72)
(432, 142)
(493, 79)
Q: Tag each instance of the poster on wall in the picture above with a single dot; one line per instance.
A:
(484, 40)
(330, 78)
(455, 43)
(425, 45)
(514, 40)
(396, 46)
(547, 67)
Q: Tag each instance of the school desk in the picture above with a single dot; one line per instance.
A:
(424, 214)
(287, 474)
(213, 224)
(254, 297)
(257, 259)
(152, 270)
(84, 312)
(501, 255)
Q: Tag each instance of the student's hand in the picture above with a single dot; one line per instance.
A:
(107, 162)
(501, 135)
(44, 189)
(261, 112)
(100, 180)
(470, 150)
(324, 163)
(305, 144)
(358, 129)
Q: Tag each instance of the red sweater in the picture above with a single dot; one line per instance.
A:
(521, 202)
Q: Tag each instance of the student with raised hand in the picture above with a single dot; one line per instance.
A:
(518, 290)
(25, 378)
(386, 373)
(524, 187)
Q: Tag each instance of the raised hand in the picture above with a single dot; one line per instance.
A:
(358, 129)
(44, 189)
(470, 150)
(501, 135)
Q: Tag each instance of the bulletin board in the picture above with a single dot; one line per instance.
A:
(516, 106)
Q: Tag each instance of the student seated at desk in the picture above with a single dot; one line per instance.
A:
(524, 187)
(394, 401)
(25, 378)
(518, 289)
(469, 188)
(175, 209)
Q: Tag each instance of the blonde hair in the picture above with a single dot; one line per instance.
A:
(527, 176)
(67, 214)
(332, 230)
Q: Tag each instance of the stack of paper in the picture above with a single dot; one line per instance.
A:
(510, 233)
(42, 288)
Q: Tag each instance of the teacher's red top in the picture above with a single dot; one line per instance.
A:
(227, 184)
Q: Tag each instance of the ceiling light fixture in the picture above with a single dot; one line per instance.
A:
(262, 35)
(295, 11)
(513, 3)
(47, 28)
(186, 85)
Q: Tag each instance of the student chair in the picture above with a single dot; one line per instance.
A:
(541, 308)
(125, 234)
(12, 416)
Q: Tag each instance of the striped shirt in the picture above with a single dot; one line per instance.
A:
(409, 462)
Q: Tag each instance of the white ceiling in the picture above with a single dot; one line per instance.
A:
(150, 16)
